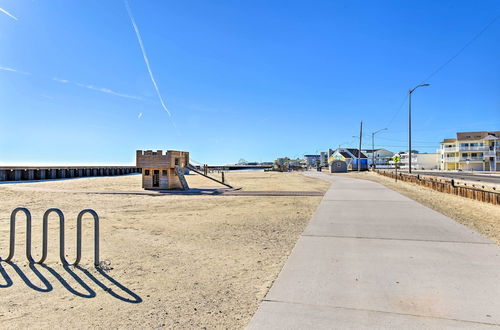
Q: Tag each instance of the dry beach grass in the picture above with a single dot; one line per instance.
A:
(187, 261)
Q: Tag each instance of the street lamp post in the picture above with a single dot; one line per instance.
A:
(373, 145)
(409, 123)
(359, 151)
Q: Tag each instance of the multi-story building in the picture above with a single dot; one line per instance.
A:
(420, 161)
(379, 157)
(479, 151)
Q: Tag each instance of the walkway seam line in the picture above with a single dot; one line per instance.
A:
(377, 311)
(396, 239)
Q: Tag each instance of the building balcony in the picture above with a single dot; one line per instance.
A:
(460, 149)
(478, 148)
(471, 159)
(490, 153)
(451, 159)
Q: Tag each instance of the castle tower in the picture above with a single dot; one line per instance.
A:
(163, 170)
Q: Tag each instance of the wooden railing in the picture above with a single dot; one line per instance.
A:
(480, 192)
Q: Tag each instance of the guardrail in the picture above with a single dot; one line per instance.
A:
(449, 186)
(62, 256)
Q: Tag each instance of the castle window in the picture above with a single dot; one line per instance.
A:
(177, 161)
(164, 172)
(146, 172)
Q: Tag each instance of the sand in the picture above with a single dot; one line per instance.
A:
(176, 261)
(482, 217)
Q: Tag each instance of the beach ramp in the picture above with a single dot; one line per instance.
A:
(192, 168)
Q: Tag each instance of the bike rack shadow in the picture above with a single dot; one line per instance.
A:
(6, 281)
(68, 267)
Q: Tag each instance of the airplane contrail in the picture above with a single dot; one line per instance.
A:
(108, 91)
(91, 87)
(13, 70)
(139, 39)
(8, 14)
(98, 89)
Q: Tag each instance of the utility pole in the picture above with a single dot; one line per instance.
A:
(359, 151)
(409, 124)
(373, 150)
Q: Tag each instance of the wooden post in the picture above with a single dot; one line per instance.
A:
(223, 176)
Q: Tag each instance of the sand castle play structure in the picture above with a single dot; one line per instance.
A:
(62, 254)
(165, 170)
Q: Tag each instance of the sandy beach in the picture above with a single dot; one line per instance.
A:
(175, 261)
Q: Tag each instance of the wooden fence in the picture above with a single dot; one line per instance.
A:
(450, 186)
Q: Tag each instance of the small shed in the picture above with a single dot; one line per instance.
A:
(338, 166)
(163, 170)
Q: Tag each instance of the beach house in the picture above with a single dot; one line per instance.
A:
(478, 151)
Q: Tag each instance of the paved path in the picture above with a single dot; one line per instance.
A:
(373, 259)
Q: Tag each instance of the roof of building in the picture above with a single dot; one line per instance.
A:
(356, 153)
(476, 135)
(345, 154)
(468, 136)
(369, 151)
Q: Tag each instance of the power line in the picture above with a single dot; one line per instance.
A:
(406, 146)
(397, 111)
(435, 72)
(397, 140)
(461, 50)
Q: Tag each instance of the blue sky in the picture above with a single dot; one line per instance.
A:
(241, 79)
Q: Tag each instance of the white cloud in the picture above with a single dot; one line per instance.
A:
(139, 115)
(8, 14)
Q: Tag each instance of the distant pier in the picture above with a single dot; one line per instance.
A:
(27, 173)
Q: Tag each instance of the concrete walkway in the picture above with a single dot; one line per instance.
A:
(372, 258)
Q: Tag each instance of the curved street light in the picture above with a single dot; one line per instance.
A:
(409, 123)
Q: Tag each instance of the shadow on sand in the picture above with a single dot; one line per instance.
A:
(85, 292)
